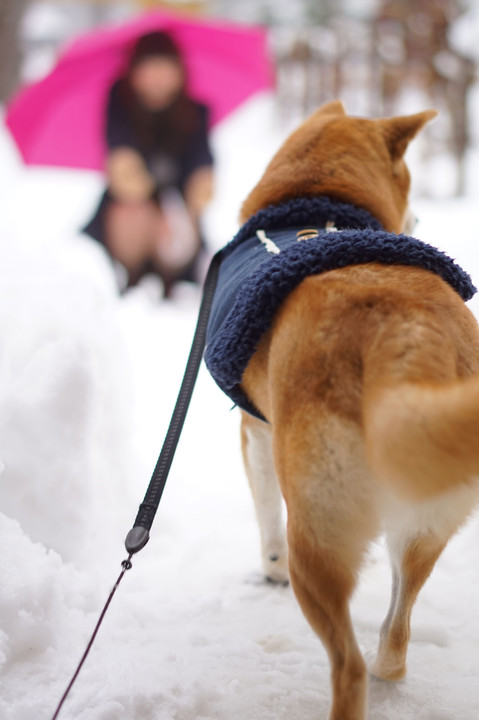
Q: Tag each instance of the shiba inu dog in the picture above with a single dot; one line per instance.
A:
(362, 395)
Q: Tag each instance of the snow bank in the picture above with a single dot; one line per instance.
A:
(64, 393)
(65, 454)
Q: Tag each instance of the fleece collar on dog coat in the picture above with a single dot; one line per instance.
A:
(265, 262)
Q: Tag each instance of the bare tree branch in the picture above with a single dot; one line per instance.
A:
(11, 13)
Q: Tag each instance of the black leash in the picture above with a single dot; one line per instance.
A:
(126, 565)
(139, 535)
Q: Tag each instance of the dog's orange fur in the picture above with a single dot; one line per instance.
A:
(369, 380)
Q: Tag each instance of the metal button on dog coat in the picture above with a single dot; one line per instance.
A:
(278, 248)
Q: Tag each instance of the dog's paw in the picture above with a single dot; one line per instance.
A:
(370, 657)
(391, 670)
(275, 568)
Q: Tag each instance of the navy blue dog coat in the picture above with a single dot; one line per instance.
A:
(265, 262)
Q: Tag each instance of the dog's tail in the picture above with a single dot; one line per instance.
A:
(423, 440)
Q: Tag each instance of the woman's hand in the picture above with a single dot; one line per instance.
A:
(199, 190)
(128, 176)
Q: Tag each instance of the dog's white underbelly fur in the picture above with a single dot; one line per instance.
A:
(345, 476)
(440, 516)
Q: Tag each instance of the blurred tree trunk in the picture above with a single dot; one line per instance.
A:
(11, 13)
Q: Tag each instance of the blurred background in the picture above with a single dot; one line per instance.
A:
(380, 56)
(88, 379)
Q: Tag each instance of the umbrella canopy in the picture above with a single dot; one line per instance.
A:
(60, 120)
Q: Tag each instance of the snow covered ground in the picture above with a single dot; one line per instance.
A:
(87, 385)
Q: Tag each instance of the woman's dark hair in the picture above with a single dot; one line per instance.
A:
(168, 129)
(157, 43)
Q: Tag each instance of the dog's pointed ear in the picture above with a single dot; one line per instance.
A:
(399, 131)
(335, 107)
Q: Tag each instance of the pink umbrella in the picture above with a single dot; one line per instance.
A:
(60, 120)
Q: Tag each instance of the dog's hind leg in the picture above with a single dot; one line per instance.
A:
(258, 461)
(323, 586)
(331, 520)
(411, 565)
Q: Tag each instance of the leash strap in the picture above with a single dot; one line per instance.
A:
(126, 565)
(138, 536)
